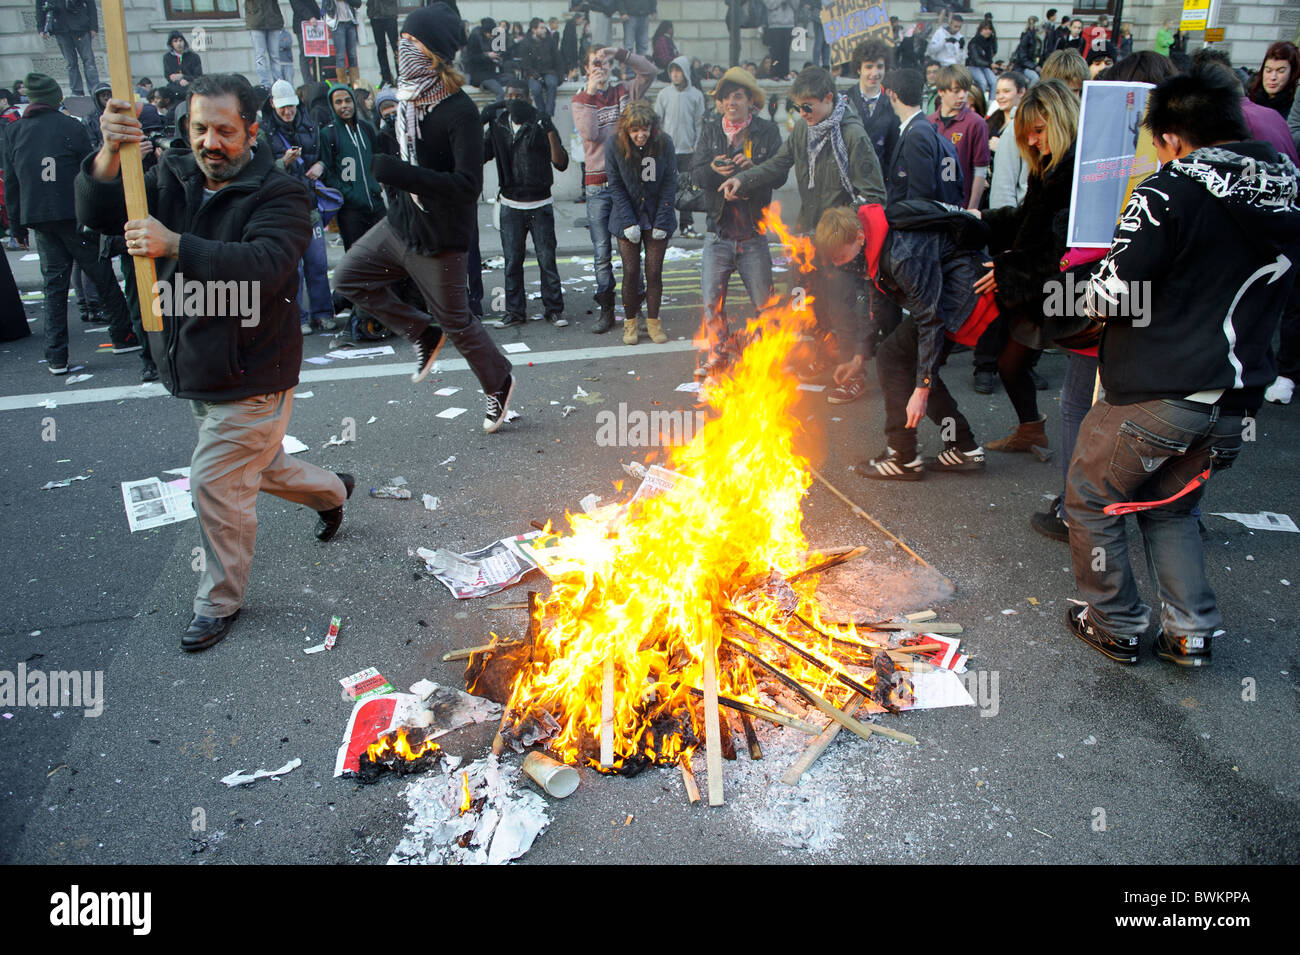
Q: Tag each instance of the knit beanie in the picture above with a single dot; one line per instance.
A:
(43, 89)
(437, 28)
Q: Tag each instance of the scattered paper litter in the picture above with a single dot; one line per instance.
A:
(451, 412)
(588, 503)
(580, 393)
(507, 825)
(49, 403)
(496, 262)
(568, 410)
(361, 352)
(152, 503)
(430, 502)
(446, 392)
(511, 415)
(804, 386)
(77, 379)
(240, 778)
(1263, 521)
(451, 708)
(290, 444)
(480, 572)
(1008, 612)
(304, 394)
(335, 441)
(317, 360)
(515, 347)
(52, 484)
(372, 420)
(691, 386)
(179, 472)
(443, 463)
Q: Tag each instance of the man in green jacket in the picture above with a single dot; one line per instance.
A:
(834, 165)
(347, 148)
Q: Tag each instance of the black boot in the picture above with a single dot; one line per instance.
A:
(606, 320)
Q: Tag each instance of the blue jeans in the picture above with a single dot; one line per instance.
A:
(345, 46)
(74, 46)
(1076, 402)
(984, 79)
(516, 226)
(543, 92)
(721, 258)
(636, 34)
(599, 205)
(1146, 452)
(312, 275)
(266, 58)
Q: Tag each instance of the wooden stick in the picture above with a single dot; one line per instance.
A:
(464, 653)
(510, 606)
(818, 746)
(920, 648)
(920, 616)
(751, 738)
(688, 779)
(893, 626)
(132, 166)
(793, 647)
(860, 729)
(728, 744)
(712, 728)
(876, 524)
(827, 564)
(607, 713)
(498, 741)
(763, 713)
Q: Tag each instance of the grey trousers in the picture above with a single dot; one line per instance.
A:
(373, 266)
(238, 454)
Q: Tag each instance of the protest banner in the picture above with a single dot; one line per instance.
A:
(847, 23)
(1113, 154)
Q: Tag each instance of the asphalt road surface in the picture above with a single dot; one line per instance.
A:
(1076, 760)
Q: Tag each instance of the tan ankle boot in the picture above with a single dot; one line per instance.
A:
(629, 331)
(1024, 437)
(655, 328)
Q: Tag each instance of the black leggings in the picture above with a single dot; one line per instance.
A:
(654, 274)
(1013, 368)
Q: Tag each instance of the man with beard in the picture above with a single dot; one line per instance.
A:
(219, 214)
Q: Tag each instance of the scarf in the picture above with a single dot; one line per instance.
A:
(734, 130)
(419, 89)
(829, 129)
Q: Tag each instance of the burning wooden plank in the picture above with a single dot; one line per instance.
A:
(712, 732)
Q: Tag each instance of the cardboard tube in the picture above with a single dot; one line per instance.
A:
(555, 778)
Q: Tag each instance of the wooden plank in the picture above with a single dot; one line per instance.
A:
(751, 738)
(688, 779)
(607, 713)
(132, 166)
(712, 728)
(818, 746)
(763, 713)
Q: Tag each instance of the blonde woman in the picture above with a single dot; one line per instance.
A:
(642, 167)
(1069, 67)
(432, 185)
(1027, 242)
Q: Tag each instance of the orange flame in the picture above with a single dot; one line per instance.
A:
(798, 247)
(467, 803)
(652, 582)
(397, 745)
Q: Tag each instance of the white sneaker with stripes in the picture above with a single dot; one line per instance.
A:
(953, 459)
(888, 466)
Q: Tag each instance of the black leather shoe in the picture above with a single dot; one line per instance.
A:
(204, 632)
(330, 520)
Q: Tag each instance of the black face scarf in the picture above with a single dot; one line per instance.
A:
(521, 111)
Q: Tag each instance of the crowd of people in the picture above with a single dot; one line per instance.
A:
(937, 216)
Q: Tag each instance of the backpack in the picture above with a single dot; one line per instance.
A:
(950, 189)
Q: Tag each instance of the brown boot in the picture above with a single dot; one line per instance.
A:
(354, 76)
(629, 331)
(655, 329)
(1026, 436)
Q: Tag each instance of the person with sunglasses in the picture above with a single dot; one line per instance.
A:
(834, 164)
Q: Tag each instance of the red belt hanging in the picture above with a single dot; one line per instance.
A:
(1121, 508)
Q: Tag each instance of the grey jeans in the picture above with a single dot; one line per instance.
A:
(380, 258)
(239, 454)
(1146, 452)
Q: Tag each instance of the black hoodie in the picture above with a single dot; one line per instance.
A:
(1191, 292)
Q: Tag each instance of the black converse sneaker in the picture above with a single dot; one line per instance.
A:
(951, 458)
(427, 347)
(497, 403)
(889, 466)
(1122, 649)
(1184, 651)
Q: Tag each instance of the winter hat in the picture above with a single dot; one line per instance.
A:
(386, 95)
(43, 89)
(282, 94)
(487, 24)
(151, 120)
(437, 28)
(738, 76)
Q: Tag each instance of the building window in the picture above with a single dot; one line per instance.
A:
(202, 9)
(1090, 6)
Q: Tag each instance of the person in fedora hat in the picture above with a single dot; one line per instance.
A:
(734, 138)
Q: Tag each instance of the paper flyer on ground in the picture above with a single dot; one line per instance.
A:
(151, 503)
(480, 572)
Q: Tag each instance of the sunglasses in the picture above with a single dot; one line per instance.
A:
(807, 108)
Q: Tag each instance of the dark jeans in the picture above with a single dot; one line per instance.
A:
(543, 89)
(74, 46)
(474, 276)
(835, 304)
(385, 33)
(896, 368)
(630, 253)
(313, 278)
(356, 221)
(60, 244)
(778, 44)
(367, 276)
(1146, 452)
(685, 218)
(1288, 354)
(1076, 402)
(516, 226)
(127, 264)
